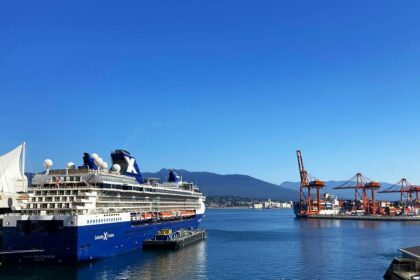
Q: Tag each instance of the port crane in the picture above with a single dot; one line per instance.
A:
(408, 191)
(307, 184)
(362, 185)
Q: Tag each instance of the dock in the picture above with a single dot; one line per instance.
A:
(406, 267)
(363, 206)
(177, 240)
(367, 218)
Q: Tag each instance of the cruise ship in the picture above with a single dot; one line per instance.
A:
(84, 213)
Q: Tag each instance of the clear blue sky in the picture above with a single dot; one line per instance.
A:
(223, 86)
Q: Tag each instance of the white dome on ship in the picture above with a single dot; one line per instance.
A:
(48, 163)
(116, 168)
(71, 165)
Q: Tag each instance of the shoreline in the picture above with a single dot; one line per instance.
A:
(366, 218)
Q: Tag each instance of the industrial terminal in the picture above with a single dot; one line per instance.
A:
(366, 203)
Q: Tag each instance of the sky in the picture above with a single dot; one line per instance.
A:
(225, 86)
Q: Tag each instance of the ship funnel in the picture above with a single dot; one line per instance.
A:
(127, 163)
(89, 161)
(173, 177)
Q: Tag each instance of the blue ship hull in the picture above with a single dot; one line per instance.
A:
(296, 210)
(84, 243)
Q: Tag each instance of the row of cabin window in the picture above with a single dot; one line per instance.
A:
(119, 187)
(62, 192)
(116, 179)
(56, 199)
(50, 205)
(116, 219)
(132, 188)
(67, 179)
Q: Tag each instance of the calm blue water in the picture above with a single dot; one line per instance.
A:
(255, 244)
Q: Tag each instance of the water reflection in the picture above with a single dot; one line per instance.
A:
(188, 263)
(329, 247)
(325, 223)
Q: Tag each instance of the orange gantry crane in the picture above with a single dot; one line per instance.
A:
(408, 191)
(307, 184)
(361, 186)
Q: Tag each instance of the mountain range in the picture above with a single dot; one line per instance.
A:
(212, 184)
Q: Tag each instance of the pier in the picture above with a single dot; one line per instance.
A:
(406, 267)
(367, 218)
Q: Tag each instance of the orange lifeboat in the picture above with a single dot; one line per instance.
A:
(187, 213)
(147, 216)
(165, 215)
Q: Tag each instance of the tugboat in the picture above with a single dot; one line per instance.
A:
(166, 239)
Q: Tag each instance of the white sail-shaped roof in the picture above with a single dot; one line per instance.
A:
(12, 179)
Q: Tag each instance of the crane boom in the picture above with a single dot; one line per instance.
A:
(302, 172)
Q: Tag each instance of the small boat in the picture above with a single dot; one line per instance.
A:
(187, 213)
(166, 239)
(165, 215)
(147, 216)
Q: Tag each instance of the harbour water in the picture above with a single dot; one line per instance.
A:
(254, 244)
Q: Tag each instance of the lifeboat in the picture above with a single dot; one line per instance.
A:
(187, 213)
(147, 216)
(165, 215)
